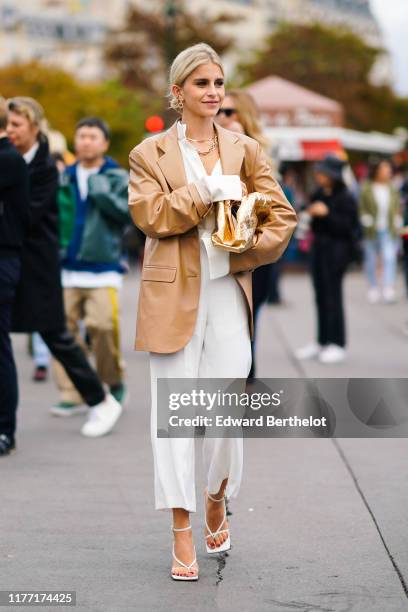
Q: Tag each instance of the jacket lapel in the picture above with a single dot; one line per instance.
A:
(171, 162)
(231, 150)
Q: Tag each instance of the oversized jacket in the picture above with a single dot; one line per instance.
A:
(91, 231)
(38, 304)
(168, 210)
(369, 209)
(14, 199)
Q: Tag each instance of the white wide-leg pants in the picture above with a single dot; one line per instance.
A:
(219, 348)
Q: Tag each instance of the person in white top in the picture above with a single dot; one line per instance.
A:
(92, 266)
(380, 219)
(219, 345)
(199, 101)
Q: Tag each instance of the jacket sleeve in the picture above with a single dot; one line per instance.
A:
(365, 211)
(110, 195)
(344, 221)
(43, 192)
(272, 236)
(159, 214)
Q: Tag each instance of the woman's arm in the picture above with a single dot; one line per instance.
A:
(272, 237)
(43, 191)
(159, 214)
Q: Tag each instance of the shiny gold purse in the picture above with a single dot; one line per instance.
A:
(236, 221)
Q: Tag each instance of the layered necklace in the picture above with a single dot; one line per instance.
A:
(213, 145)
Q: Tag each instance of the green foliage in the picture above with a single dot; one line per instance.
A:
(66, 100)
(334, 62)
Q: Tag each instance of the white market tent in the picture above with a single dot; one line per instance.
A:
(311, 143)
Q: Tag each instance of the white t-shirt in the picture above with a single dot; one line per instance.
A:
(211, 188)
(381, 193)
(83, 175)
(84, 279)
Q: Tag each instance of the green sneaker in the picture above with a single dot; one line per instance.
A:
(67, 409)
(119, 392)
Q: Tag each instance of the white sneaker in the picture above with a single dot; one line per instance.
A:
(389, 295)
(373, 295)
(332, 353)
(311, 351)
(102, 418)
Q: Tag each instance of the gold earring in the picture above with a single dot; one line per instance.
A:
(180, 104)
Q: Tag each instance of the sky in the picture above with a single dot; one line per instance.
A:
(392, 17)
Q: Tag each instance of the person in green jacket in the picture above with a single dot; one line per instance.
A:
(381, 220)
(93, 213)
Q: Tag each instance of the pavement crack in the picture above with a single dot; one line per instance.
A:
(371, 513)
(221, 563)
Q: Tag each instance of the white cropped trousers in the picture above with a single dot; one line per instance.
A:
(219, 348)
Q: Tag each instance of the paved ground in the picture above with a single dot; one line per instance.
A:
(320, 525)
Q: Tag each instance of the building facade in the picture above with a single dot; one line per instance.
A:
(70, 33)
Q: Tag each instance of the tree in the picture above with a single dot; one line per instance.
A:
(142, 50)
(66, 100)
(334, 62)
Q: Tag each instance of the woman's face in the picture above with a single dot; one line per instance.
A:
(323, 180)
(228, 113)
(203, 90)
(22, 133)
(384, 172)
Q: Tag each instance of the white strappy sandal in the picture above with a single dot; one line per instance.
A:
(188, 567)
(226, 545)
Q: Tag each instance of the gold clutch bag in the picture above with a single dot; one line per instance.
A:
(236, 221)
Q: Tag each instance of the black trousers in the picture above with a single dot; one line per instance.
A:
(63, 347)
(9, 276)
(260, 289)
(61, 343)
(328, 265)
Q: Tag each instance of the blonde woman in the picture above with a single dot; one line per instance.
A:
(195, 299)
(240, 113)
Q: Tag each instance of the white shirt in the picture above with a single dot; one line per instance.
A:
(211, 188)
(84, 279)
(381, 193)
(29, 156)
(83, 175)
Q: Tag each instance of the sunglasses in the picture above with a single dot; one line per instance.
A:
(227, 111)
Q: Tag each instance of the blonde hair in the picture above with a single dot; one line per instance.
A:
(30, 109)
(248, 115)
(186, 62)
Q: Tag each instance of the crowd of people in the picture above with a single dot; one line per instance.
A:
(61, 263)
(62, 259)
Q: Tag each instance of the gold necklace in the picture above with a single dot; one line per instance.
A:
(203, 140)
(213, 145)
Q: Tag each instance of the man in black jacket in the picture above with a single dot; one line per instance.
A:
(38, 304)
(14, 210)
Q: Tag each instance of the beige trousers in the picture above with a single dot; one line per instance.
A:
(99, 310)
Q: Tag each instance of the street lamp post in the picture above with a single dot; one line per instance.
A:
(170, 13)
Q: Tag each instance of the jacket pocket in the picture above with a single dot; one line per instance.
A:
(165, 274)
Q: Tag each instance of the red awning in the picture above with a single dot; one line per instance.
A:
(315, 150)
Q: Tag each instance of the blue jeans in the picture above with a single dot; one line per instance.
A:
(386, 246)
(41, 354)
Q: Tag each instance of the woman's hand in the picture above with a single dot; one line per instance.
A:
(244, 189)
(318, 209)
